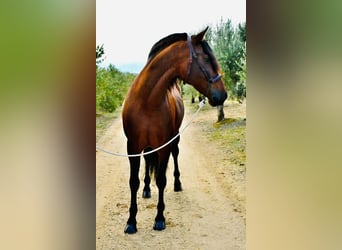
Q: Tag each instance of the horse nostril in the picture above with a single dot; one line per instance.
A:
(218, 98)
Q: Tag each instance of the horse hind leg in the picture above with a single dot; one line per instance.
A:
(176, 173)
(150, 163)
(147, 190)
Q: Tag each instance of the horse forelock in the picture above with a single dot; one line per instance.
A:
(210, 53)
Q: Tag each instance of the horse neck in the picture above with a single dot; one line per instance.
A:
(158, 75)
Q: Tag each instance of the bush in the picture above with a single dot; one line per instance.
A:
(111, 88)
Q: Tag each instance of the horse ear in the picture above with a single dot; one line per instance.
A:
(199, 37)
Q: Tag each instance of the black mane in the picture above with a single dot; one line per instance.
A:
(170, 39)
(165, 42)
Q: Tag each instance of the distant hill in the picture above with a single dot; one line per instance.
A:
(130, 67)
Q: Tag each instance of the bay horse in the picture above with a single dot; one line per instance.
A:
(153, 111)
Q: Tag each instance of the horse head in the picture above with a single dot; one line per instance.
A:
(203, 71)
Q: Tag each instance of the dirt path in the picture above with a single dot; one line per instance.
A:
(203, 216)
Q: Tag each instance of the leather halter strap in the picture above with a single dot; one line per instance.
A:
(193, 54)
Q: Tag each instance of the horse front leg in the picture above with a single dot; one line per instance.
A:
(159, 223)
(134, 183)
(176, 173)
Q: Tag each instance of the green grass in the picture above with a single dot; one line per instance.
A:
(103, 120)
(230, 136)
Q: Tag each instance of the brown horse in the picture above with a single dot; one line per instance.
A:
(153, 110)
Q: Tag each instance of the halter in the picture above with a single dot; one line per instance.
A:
(193, 54)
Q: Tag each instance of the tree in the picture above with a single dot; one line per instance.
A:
(229, 45)
(241, 85)
(99, 54)
(242, 31)
(111, 85)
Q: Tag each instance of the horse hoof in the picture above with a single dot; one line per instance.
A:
(159, 225)
(130, 229)
(146, 194)
(178, 188)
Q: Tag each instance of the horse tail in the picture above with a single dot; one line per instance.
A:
(151, 162)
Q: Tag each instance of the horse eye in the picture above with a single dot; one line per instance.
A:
(206, 59)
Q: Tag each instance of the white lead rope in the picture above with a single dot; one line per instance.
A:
(200, 106)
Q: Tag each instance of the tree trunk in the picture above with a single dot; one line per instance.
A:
(220, 113)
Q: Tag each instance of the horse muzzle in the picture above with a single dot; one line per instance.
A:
(217, 97)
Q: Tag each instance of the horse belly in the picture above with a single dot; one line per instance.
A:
(146, 129)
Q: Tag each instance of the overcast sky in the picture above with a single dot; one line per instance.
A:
(129, 28)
